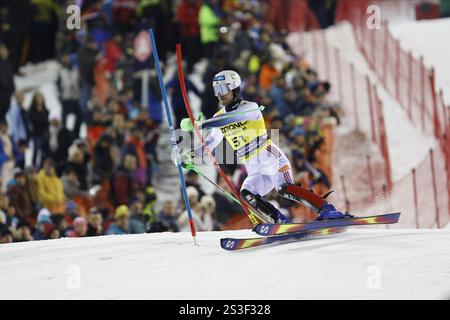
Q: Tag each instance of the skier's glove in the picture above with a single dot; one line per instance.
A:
(187, 159)
(186, 123)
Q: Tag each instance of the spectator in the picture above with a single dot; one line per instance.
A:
(21, 198)
(207, 207)
(87, 58)
(138, 219)
(183, 219)
(8, 153)
(23, 232)
(57, 142)
(79, 228)
(103, 162)
(77, 163)
(69, 92)
(122, 221)
(38, 115)
(95, 223)
(124, 182)
(71, 184)
(6, 80)
(192, 180)
(187, 14)
(209, 27)
(267, 75)
(166, 218)
(5, 234)
(19, 126)
(51, 190)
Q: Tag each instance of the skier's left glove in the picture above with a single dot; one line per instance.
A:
(186, 123)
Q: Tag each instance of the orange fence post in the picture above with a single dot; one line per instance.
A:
(372, 118)
(385, 52)
(416, 206)
(397, 70)
(355, 107)
(422, 96)
(437, 126)
(369, 171)
(410, 82)
(433, 177)
(344, 190)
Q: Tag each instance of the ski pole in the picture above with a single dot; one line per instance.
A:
(173, 137)
(190, 166)
(197, 131)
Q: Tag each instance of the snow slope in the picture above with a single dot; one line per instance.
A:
(427, 38)
(360, 264)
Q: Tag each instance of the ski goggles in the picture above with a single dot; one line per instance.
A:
(221, 89)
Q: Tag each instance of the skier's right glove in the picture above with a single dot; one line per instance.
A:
(186, 123)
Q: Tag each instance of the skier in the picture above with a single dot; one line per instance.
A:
(242, 125)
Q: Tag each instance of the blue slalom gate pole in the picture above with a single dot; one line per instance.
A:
(173, 137)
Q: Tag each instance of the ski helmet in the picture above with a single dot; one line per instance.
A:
(226, 81)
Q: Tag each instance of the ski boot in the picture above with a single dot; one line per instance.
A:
(264, 207)
(329, 212)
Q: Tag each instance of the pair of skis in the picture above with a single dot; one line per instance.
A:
(281, 233)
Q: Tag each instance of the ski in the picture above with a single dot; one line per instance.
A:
(279, 229)
(233, 244)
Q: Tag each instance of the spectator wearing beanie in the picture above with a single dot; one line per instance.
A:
(122, 221)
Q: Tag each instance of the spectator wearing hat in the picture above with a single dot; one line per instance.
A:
(79, 228)
(20, 198)
(51, 190)
(122, 221)
(44, 225)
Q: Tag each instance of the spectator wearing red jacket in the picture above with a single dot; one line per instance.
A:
(187, 15)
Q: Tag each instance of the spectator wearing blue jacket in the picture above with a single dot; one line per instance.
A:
(18, 120)
(122, 221)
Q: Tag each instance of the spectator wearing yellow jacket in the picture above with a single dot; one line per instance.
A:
(51, 190)
(209, 27)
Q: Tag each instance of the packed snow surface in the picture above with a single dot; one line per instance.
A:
(369, 263)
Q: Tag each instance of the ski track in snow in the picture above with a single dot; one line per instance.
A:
(412, 264)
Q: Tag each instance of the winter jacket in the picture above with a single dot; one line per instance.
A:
(51, 191)
(68, 83)
(115, 229)
(209, 24)
(187, 15)
(18, 123)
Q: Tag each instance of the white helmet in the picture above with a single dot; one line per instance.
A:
(225, 81)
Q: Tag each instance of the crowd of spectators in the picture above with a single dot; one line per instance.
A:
(101, 181)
